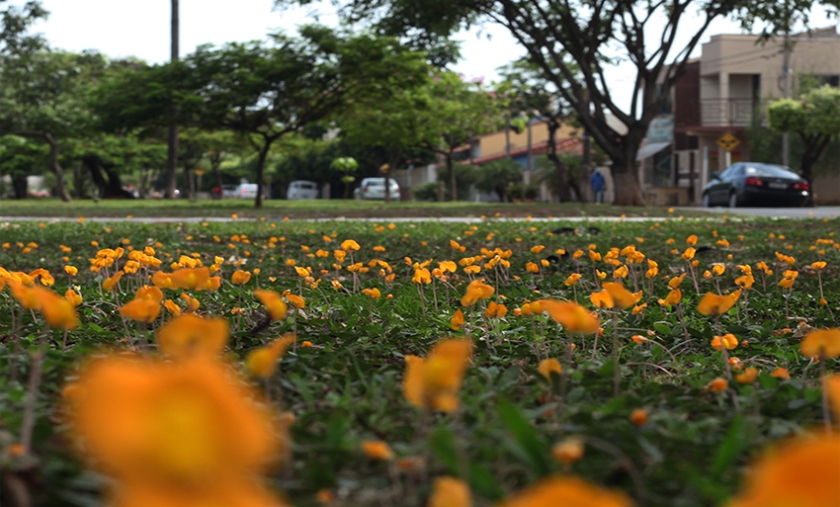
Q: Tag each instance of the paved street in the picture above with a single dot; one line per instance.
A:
(819, 212)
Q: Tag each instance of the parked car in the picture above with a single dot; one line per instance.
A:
(241, 191)
(302, 189)
(374, 188)
(753, 183)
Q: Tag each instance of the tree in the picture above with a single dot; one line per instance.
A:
(347, 166)
(266, 91)
(43, 98)
(573, 42)
(814, 118)
(459, 112)
(532, 94)
(20, 158)
(496, 177)
(172, 138)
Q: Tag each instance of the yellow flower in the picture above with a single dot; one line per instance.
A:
(433, 383)
(141, 310)
(191, 335)
(638, 339)
(802, 472)
(532, 268)
(572, 316)
(422, 275)
(688, 254)
(71, 270)
(376, 449)
(780, 373)
(151, 293)
(547, 366)
(717, 385)
(263, 361)
(718, 269)
(621, 272)
(273, 302)
(748, 376)
(566, 491)
(189, 278)
(457, 320)
(822, 343)
(818, 265)
(495, 310)
(621, 296)
(295, 300)
(74, 298)
(450, 492)
(713, 304)
(153, 425)
(728, 340)
(691, 240)
(568, 451)
(172, 307)
(638, 417)
(602, 299)
(673, 298)
(240, 277)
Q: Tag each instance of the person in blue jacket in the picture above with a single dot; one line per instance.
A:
(599, 186)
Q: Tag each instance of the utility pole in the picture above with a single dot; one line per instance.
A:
(786, 50)
(172, 154)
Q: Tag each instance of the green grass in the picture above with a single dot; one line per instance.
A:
(347, 388)
(276, 209)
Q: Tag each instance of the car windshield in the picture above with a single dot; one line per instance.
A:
(774, 171)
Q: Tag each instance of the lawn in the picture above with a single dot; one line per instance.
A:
(277, 209)
(134, 400)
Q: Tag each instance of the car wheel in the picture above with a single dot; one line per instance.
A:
(733, 200)
(706, 201)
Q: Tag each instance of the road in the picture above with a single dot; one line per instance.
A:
(819, 212)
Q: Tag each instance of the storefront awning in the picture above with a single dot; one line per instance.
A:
(650, 150)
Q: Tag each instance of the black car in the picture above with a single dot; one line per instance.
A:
(753, 183)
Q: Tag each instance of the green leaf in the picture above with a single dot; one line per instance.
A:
(730, 448)
(524, 435)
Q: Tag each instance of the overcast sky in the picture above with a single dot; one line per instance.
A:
(120, 28)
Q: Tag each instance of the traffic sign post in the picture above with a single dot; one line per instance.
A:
(728, 142)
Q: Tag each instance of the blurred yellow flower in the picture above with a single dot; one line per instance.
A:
(433, 383)
(262, 362)
(450, 492)
(190, 335)
(566, 491)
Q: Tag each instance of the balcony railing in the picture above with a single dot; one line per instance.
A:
(732, 112)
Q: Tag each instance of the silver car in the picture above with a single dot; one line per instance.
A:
(374, 188)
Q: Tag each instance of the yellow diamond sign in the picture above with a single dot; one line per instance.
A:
(728, 142)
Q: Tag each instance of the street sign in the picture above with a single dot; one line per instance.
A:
(728, 142)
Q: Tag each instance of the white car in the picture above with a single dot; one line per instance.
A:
(374, 188)
(302, 189)
(241, 191)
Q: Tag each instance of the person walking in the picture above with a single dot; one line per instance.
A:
(599, 186)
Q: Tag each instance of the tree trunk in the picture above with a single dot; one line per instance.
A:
(559, 165)
(19, 186)
(260, 172)
(626, 185)
(172, 154)
(92, 165)
(217, 171)
(453, 183)
(55, 167)
(813, 150)
(188, 175)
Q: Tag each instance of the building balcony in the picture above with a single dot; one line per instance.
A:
(732, 112)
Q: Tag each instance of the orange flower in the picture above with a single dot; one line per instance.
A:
(566, 491)
(638, 339)
(57, 311)
(728, 340)
(691, 240)
(801, 472)
(172, 307)
(639, 417)
(477, 290)
(549, 366)
(689, 253)
(457, 320)
(262, 362)
(568, 451)
(602, 299)
(433, 383)
(673, 298)
(191, 335)
(192, 303)
(572, 316)
(162, 280)
(373, 293)
(675, 282)
(75, 299)
(822, 342)
(272, 301)
(450, 492)
(348, 245)
(572, 279)
(748, 376)
(378, 450)
(190, 278)
(141, 310)
(240, 277)
(71, 270)
(150, 293)
(152, 424)
(495, 310)
(780, 373)
(621, 296)
(717, 385)
(713, 305)
(212, 283)
(111, 283)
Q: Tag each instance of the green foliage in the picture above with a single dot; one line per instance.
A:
(497, 176)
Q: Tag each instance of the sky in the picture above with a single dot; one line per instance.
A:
(121, 28)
